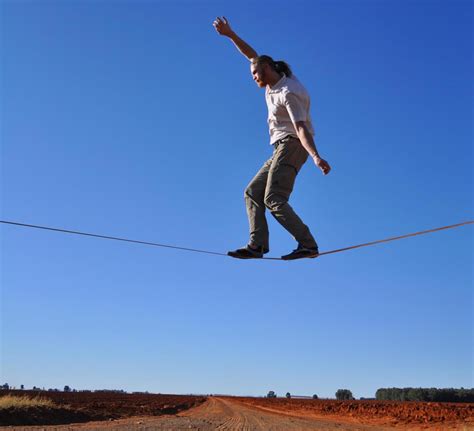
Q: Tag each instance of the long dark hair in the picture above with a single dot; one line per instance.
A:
(278, 66)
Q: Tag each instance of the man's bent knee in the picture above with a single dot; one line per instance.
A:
(248, 193)
(252, 195)
(274, 202)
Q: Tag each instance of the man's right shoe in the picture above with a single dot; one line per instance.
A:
(302, 252)
(247, 252)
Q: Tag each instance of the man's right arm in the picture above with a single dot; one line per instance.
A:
(222, 27)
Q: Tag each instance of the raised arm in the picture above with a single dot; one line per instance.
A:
(222, 27)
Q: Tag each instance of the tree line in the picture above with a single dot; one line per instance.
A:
(67, 388)
(426, 394)
(447, 395)
(341, 394)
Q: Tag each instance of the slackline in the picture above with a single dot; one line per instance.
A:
(224, 254)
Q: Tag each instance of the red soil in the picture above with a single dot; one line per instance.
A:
(371, 411)
(88, 406)
(77, 407)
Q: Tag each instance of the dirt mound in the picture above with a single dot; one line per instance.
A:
(44, 416)
(93, 406)
(371, 411)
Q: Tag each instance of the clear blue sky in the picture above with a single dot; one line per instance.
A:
(137, 119)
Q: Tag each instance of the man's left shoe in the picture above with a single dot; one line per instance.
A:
(247, 252)
(302, 252)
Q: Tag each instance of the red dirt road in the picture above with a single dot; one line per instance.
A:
(227, 414)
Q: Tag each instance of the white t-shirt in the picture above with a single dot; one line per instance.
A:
(287, 102)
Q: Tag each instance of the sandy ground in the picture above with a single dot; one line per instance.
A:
(226, 415)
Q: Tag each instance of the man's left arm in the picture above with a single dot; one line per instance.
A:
(306, 139)
(298, 115)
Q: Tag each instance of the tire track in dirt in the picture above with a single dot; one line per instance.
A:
(237, 416)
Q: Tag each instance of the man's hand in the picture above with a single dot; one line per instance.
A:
(322, 164)
(222, 26)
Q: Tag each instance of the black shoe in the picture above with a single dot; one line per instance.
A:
(247, 252)
(302, 252)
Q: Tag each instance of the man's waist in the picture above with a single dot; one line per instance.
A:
(283, 140)
(277, 134)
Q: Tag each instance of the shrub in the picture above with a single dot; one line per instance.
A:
(344, 394)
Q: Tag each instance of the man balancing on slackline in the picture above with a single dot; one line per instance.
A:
(291, 134)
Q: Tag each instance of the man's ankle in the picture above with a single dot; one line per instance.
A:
(257, 248)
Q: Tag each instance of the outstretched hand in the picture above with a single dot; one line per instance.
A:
(222, 26)
(322, 164)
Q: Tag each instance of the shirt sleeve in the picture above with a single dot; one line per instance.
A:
(295, 107)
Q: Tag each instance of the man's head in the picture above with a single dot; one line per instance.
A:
(265, 71)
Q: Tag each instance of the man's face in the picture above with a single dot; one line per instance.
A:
(259, 74)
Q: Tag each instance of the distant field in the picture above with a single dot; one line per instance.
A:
(371, 411)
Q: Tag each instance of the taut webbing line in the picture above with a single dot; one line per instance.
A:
(398, 237)
(224, 254)
(110, 237)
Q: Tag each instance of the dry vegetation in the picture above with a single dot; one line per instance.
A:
(12, 401)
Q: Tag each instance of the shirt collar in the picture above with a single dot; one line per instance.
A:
(278, 85)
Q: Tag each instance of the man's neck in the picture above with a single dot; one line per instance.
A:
(274, 78)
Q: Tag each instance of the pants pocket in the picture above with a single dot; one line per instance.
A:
(292, 153)
(281, 180)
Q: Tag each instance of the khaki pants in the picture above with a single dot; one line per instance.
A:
(271, 188)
